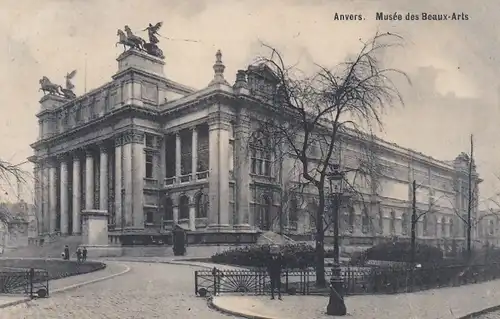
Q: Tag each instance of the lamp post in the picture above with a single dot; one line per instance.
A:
(336, 305)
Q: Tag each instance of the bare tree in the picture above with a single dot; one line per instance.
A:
(341, 104)
(8, 174)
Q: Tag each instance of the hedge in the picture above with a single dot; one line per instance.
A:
(296, 256)
(399, 251)
(56, 268)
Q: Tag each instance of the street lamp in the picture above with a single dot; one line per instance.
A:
(336, 305)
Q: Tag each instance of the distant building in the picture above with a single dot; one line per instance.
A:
(13, 225)
(153, 152)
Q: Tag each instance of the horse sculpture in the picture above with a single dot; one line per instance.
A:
(49, 87)
(129, 39)
(125, 41)
(139, 42)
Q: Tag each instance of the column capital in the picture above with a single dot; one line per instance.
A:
(89, 152)
(118, 140)
(63, 157)
(103, 147)
(219, 118)
(132, 136)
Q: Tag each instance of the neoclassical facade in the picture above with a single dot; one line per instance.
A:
(153, 152)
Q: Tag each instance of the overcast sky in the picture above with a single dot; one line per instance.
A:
(452, 64)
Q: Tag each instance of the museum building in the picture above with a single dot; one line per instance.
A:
(155, 153)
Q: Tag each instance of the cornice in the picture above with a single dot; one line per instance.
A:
(206, 99)
(116, 114)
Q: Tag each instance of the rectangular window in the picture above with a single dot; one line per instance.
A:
(149, 166)
(149, 141)
(149, 217)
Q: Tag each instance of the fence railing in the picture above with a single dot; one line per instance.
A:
(356, 280)
(31, 282)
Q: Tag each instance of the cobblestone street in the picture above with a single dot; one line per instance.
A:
(147, 291)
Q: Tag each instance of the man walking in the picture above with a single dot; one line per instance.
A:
(84, 253)
(274, 269)
(66, 252)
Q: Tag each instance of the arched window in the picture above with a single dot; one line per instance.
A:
(265, 221)
(381, 222)
(405, 221)
(293, 214)
(393, 222)
(425, 225)
(443, 227)
(351, 218)
(491, 228)
(464, 228)
(365, 222)
(260, 154)
(201, 207)
(168, 209)
(452, 228)
(184, 207)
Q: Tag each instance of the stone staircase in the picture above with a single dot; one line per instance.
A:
(272, 238)
(52, 249)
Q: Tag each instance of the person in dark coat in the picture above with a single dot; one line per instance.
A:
(66, 252)
(79, 254)
(274, 269)
(84, 254)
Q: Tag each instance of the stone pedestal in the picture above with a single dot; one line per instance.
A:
(95, 234)
(140, 61)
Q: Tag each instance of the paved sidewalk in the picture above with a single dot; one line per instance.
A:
(112, 269)
(453, 302)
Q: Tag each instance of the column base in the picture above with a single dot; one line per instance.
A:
(243, 228)
(219, 227)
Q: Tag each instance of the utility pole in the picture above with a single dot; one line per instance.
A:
(469, 206)
(414, 219)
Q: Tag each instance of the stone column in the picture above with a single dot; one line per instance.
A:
(64, 198)
(127, 182)
(175, 212)
(52, 198)
(89, 181)
(242, 170)
(192, 217)
(39, 197)
(77, 191)
(177, 155)
(194, 152)
(218, 189)
(45, 196)
(162, 172)
(103, 179)
(118, 183)
(138, 175)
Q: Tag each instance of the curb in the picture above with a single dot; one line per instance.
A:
(476, 314)
(212, 305)
(74, 286)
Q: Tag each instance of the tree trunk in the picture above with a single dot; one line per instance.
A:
(320, 240)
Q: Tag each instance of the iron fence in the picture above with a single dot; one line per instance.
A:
(356, 280)
(31, 282)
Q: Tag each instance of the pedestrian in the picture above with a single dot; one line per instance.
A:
(66, 252)
(84, 253)
(79, 254)
(274, 269)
